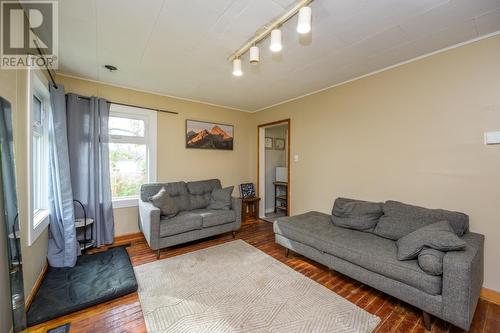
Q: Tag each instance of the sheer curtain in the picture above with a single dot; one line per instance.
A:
(88, 139)
(63, 246)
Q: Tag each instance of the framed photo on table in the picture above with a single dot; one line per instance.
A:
(247, 190)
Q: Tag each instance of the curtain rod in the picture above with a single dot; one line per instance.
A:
(134, 106)
(123, 104)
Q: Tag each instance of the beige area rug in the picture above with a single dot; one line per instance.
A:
(234, 287)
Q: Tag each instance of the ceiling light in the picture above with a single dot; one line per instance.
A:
(275, 41)
(237, 67)
(254, 54)
(304, 24)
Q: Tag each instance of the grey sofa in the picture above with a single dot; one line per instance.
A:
(372, 260)
(194, 221)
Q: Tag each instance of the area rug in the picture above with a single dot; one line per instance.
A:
(234, 287)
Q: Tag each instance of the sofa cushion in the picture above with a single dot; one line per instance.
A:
(400, 219)
(200, 192)
(177, 190)
(221, 198)
(165, 202)
(183, 222)
(364, 249)
(431, 261)
(212, 218)
(356, 214)
(439, 236)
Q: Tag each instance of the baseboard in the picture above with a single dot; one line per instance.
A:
(490, 295)
(36, 286)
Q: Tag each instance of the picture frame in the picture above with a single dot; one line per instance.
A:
(247, 190)
(209, 135)
(279, 144)
(268, 143)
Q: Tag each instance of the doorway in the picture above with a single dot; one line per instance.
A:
(273, 169)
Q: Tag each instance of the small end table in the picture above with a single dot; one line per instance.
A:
(249, 208)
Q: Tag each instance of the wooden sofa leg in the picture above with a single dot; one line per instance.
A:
(234, 234)
(427, 320)
(158, 254)
(287, 252)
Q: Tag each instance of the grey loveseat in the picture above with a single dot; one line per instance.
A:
(372, 260)
(194, 221)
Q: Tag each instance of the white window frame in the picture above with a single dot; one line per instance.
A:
(150, 120)
(39, 220)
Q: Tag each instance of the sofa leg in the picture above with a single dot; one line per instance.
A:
(287, 252)
(158, 254)
(427, 320)
(234, 234)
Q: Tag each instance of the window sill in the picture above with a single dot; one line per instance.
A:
(125, 202)
(39, 224)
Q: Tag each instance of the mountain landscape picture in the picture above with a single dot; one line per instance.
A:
(200, 134)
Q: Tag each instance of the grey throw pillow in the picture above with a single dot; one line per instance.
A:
(220, 199)
(164, 201)
(356, 214)
(400, 219)
(431, 261)
(439, 236)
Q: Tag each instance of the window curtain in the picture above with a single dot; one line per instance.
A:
(7, 172)
(63, 246)
(88, 138)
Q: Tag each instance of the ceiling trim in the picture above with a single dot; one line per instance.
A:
(470, 41)
(151, 92)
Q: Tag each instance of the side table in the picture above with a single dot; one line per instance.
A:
(249, 208)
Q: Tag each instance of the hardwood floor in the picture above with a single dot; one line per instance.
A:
(125, 315)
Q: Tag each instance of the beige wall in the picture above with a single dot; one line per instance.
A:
(175, 162)
(13, 87)
(413, 133)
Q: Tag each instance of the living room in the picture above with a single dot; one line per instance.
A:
(148, 158)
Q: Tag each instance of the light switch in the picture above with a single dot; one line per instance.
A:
(492, 138)
(296, 158)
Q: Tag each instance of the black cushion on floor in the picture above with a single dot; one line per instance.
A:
(95, 279)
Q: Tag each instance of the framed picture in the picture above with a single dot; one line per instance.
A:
(279, 144)
(247, 190)
(268, 142)
(206, 135)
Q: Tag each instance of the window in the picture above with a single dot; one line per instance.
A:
(132, 152)
(38, 155)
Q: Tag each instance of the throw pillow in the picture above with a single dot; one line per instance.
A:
(220, 199)
(400, 219)
(439, 236)
(356, 214)
(431, 261)
(164, 201)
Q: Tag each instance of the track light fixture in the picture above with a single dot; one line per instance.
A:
(254, 54)
(237, 67)
(275, 45)
(304, 22)
(273, 29)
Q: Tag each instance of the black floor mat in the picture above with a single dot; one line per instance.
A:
(95, 279)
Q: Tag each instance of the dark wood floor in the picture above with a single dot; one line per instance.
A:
(125, 315)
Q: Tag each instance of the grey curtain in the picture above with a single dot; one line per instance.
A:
(7, 165)
(88, 139)
(63, 246)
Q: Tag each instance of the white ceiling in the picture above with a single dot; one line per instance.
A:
(180, 47)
